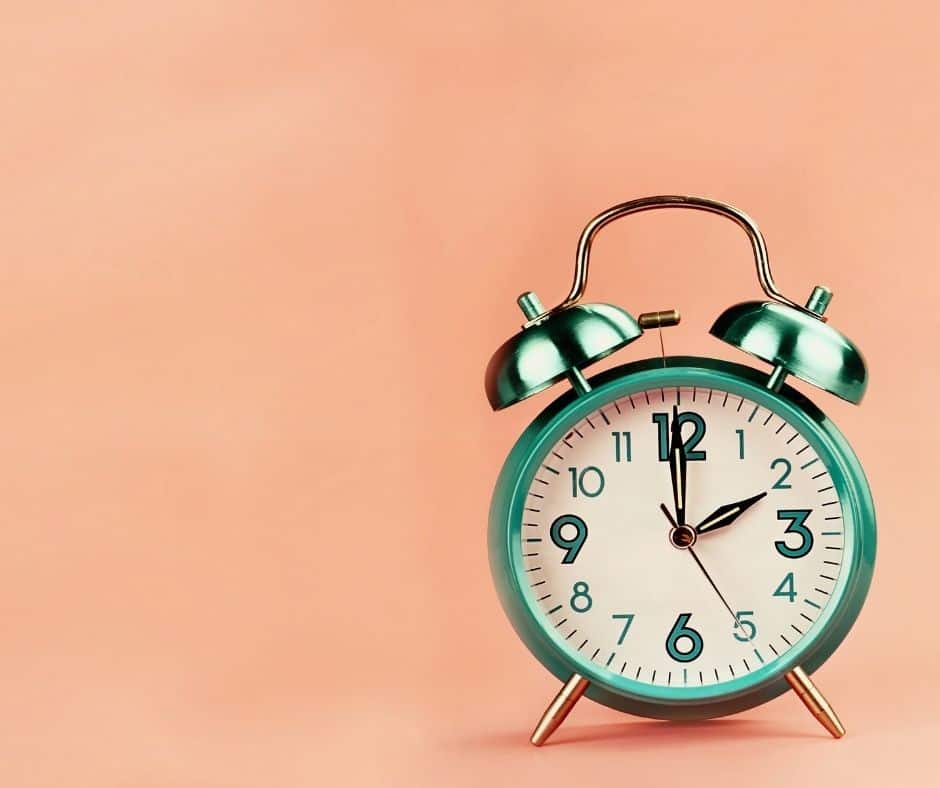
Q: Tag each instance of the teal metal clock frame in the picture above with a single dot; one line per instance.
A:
(682, 703)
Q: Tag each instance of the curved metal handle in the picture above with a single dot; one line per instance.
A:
(740, 218)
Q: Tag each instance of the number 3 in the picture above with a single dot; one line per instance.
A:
(797, 518)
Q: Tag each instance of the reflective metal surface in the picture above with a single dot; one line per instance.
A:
(545, 352)
(803, 345)
(559, 709)
(815, 701)
(740, 218)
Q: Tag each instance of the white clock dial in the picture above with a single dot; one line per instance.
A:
(601, 568)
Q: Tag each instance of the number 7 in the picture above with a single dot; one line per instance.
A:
(628, 619)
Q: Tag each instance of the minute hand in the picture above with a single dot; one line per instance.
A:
(677, 466)
(727, 514)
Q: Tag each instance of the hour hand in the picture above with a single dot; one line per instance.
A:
(677, 466)
(727, 514)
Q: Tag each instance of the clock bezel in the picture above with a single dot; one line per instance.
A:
(664, 702)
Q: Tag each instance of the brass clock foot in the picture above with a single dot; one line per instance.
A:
(559, 708)
(814, 701)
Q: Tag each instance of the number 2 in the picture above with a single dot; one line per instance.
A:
(781, 483)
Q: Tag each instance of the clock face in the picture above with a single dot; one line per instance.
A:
(614, 585)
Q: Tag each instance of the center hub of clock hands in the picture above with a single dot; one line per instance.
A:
(682, 536)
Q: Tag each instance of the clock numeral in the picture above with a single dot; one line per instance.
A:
(661, 420)
(622, 450)
(589, 481)
(781, 483)
(787, 588)
(573, 545)
(740, 444)
(580, 597)
(681, 633)
(797, 518)
(749, 627)
(627, 619)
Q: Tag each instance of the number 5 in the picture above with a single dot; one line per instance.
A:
(748, 626)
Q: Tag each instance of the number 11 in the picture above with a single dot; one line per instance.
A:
(622, 439)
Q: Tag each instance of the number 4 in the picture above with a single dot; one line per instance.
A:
(787, 588)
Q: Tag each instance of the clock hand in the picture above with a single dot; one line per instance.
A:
(721, 596)
(677, 466)
(685, 544)
(727, 514)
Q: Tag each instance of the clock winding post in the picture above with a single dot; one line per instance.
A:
(816, 304)
(534, 312)
(532, 308)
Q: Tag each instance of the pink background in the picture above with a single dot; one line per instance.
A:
(255, 257)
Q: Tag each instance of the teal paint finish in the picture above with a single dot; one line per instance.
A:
(800, 343)
(547, 352)
(681, 701)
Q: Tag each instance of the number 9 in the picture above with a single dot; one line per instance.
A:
(571, 546)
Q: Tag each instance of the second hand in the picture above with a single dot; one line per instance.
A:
(708, 577)
(721, 596)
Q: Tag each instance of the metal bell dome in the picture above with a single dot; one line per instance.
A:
(547, 351)
(802, 344)
(556, 343)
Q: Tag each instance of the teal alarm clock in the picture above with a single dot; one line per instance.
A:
(679, 537)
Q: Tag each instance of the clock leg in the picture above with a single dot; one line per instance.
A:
(814, 701)
(559, 708)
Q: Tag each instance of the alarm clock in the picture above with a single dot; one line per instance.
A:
(680, 537)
